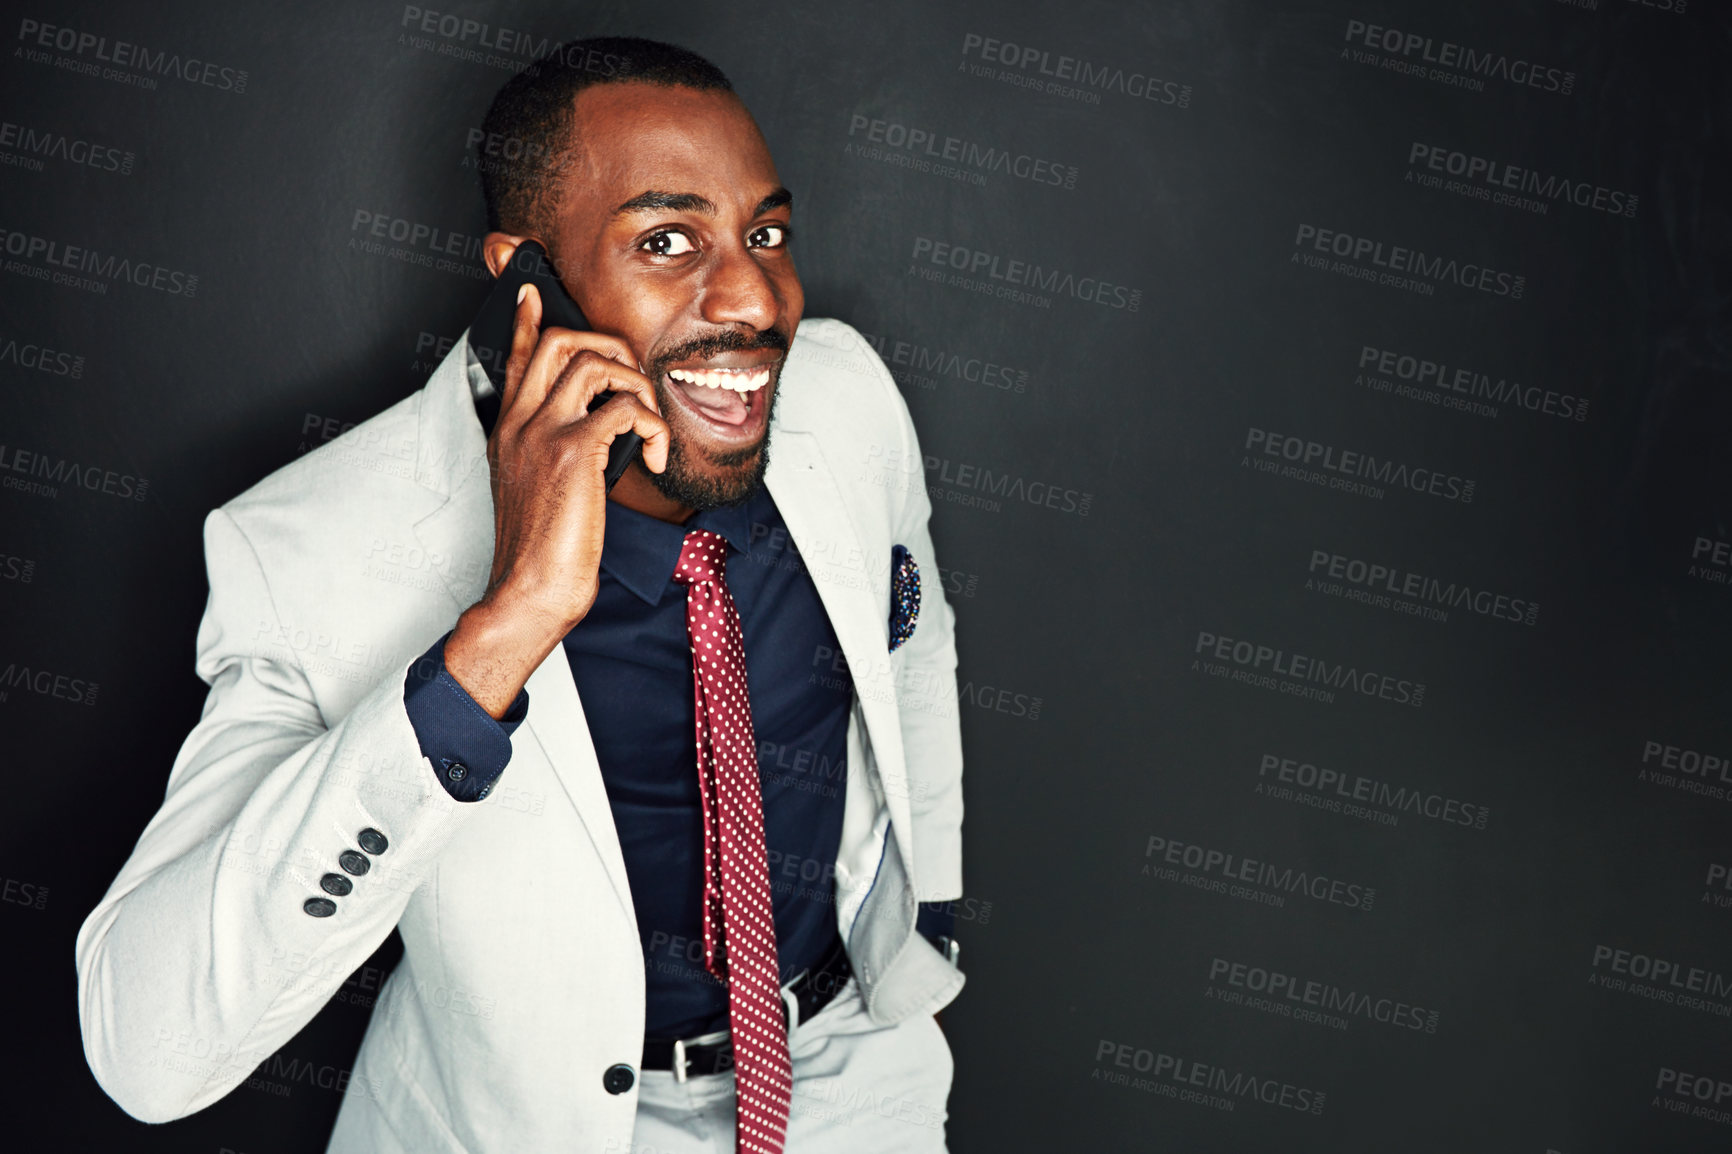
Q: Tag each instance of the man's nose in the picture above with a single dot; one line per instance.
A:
(739, 291)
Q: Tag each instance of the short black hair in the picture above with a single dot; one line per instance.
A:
(530, 118)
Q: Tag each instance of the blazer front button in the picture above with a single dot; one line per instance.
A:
(336, 885)
(319, 907)
(372, 841)
(618, 1079)
(353, 862)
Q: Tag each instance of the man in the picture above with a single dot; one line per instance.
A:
(455, 689)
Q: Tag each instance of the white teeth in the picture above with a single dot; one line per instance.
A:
(741, 381)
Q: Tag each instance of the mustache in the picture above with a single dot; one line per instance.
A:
(727, 341)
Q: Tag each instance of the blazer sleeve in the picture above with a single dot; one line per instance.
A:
(926, 681)
(201, 960)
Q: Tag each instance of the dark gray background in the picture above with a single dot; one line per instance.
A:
(292, 334)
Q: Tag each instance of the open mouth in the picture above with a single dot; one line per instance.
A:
(732, 398)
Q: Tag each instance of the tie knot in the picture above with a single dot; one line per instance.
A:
(704, 557)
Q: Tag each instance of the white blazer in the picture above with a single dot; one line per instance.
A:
(522, 979)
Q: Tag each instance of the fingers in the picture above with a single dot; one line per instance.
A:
(567, 371)
(587, 375)
(613, 348)
(624, 414)
(525, 330)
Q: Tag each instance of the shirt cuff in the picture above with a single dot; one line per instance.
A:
(468, 748)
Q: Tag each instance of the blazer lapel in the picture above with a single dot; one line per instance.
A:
(855, 591)
(452, 458)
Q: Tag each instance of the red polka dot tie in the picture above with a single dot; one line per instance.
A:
(739, 935)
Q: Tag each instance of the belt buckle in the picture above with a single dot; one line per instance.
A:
(680, 1059)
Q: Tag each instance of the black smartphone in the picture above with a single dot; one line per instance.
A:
(490, 337)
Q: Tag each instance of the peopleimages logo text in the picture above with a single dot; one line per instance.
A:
(40, 358)
(1379, 578)
(1104, 77)
(444, 242)
(54, 471)
(1323, 996)
(464, 30)
(928, 143)
(1359, 788)
(123, 54)
(942, 471)
(1364, 466)
(1422, 50)
(978, 263)
(1277, 662)
(1234, 868)
(1410, 262)
(1442, 377)
(1515, 179)
(1675, 977)
(911, 362)
(44, 251)
(36, 143)
(1204, 1084)
(47, 683)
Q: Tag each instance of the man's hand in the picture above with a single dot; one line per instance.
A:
(547, 453)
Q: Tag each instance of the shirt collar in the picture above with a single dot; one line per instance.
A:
(641, 552)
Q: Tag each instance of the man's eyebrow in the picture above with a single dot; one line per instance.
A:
(654, 201)
(657, 201)
(775, 200)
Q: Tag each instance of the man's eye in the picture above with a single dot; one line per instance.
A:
(769, 236)
(669, 244)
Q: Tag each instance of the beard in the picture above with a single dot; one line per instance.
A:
(703, 481)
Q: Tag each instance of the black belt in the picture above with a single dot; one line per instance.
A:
(714, 1053)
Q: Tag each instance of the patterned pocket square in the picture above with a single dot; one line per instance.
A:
(904, 595)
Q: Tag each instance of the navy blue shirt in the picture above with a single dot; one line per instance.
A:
(631, 659)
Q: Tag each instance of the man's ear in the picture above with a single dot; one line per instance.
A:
(496, 250)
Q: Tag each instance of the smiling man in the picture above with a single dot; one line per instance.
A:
(662, 787)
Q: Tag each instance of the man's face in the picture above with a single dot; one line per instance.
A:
(673, 235)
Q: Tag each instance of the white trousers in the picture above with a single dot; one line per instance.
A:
(859, 1088)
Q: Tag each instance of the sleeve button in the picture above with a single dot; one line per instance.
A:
(354, 863)
(319, 907)
(456, 771)
(618, 1079)
(373, 841)
(336, 885)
